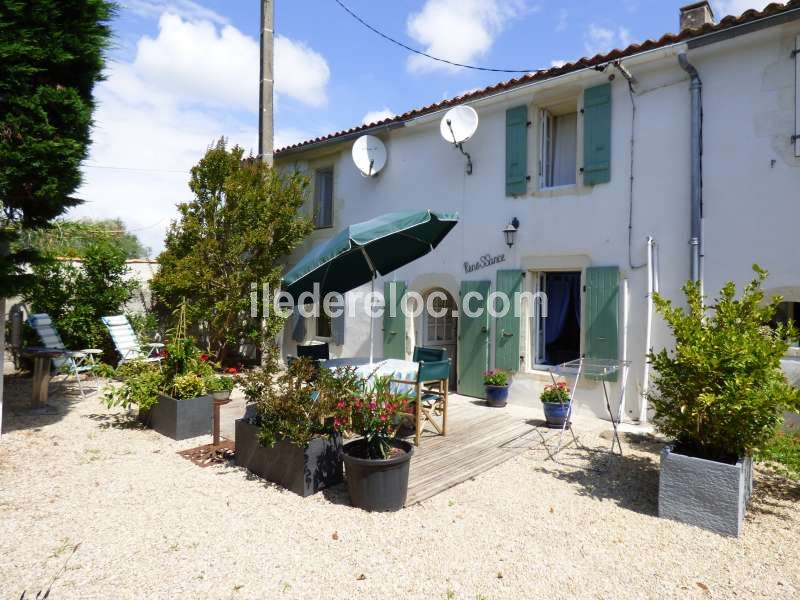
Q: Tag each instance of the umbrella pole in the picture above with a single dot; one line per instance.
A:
(371, 317)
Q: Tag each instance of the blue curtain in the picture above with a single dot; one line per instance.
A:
(558, 297)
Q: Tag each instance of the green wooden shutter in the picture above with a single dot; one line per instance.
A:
(473, 339)
(506, 344)
(394, 325)
(516, 151)
(602, 312)
(597, 134)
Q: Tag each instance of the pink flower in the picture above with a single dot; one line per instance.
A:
(383, 418)
(340, 405)
(373, 405)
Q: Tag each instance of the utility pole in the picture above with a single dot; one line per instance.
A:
(266, 83)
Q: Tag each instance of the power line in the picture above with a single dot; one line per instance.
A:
(425, 54)
(142, 169)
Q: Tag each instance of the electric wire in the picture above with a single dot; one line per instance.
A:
(425, 54)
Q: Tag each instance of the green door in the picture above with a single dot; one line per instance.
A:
(394, 321)
(473, 337)
(506, 342)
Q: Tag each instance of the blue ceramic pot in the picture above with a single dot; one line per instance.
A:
(555, 413)
(496, 395)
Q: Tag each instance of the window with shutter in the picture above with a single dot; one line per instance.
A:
(323, 198)
(517, 151)
(602, 312)
(597, 135)
(797, 96)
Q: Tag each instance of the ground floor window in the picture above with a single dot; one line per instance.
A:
(556, 336)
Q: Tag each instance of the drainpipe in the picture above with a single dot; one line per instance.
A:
(266, 83)
(696, 240)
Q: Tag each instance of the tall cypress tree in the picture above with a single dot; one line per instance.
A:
(51, 56)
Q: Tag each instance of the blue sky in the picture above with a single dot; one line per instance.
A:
(184, 72)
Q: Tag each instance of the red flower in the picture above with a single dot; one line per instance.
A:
(383, 418)
(340, 405)
(373, 405)
(232, 370)
(204, 358)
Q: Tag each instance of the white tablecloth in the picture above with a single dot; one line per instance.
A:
(393, 367)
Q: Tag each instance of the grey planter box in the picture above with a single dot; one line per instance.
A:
(303, 471)
(704, 493)
(180, 419)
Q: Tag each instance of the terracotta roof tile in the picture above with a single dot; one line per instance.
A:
(667, 39)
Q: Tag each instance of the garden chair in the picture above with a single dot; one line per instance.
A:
(430, 396)
(127, 343)
(73, 362)
(427, 354)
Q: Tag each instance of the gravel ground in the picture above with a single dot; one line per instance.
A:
(98, 508)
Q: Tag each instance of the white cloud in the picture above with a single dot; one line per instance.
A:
(199, 62)
(184, 89)
(737, 7)
(599, 40)
(557, 63)
(375, 116)
(563, 20)
(300, 72)
(183, 8)
(459, 30)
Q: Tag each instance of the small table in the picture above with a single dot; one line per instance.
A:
(41, 377)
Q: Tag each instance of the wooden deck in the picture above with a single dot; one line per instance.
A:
(478, 439)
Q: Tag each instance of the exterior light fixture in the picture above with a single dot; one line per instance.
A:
(510, 232)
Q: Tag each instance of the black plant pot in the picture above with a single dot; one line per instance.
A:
(303, 471)
(180, 419)
(377, 485)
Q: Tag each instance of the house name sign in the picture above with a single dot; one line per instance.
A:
(487, 260)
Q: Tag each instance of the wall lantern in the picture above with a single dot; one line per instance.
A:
(511, 231)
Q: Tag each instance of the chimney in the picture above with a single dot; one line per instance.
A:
(266, 84)
(694, 16)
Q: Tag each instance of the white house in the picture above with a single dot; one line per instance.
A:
(595, 161)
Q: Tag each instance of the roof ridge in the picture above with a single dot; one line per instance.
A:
(727, 22)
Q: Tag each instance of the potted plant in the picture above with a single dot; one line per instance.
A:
(719, 396)
(172, 399)
(555, 402)
(220, 387)
(496, 384)
(291, 439)
(376, 464)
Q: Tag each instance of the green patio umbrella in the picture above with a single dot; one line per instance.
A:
(361, 252)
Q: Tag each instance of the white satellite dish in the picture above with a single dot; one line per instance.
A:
(459, 124)
(369, 155)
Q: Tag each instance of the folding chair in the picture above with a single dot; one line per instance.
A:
(74, 362)
(127, 343)
(430, 395)
(428, 354)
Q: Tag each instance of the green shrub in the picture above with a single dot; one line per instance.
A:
(721, 394)
(783, 449)
(292, 404)
(219, 383)
(557, 393)
(141, 388)
(187, 386)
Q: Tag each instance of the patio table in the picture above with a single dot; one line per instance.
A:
(41, 377)
(392, 367)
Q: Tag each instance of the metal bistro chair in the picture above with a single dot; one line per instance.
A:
(430, 395)
(427, 354)
(127, 343)
(71, 361)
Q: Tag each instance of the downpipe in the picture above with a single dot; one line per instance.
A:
(696, 239)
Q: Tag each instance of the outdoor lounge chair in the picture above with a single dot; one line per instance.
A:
(73, 362)
(126, 342)
(430, 395)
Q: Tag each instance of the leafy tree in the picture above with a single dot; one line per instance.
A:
(70, 238)
(243, 221)
(51, 56)
(77, 294)
(721, 394)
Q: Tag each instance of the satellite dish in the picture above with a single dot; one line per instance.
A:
(369, 155)
(459, 124)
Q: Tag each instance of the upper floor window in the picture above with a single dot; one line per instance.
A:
(323, 198)
(559, 148)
